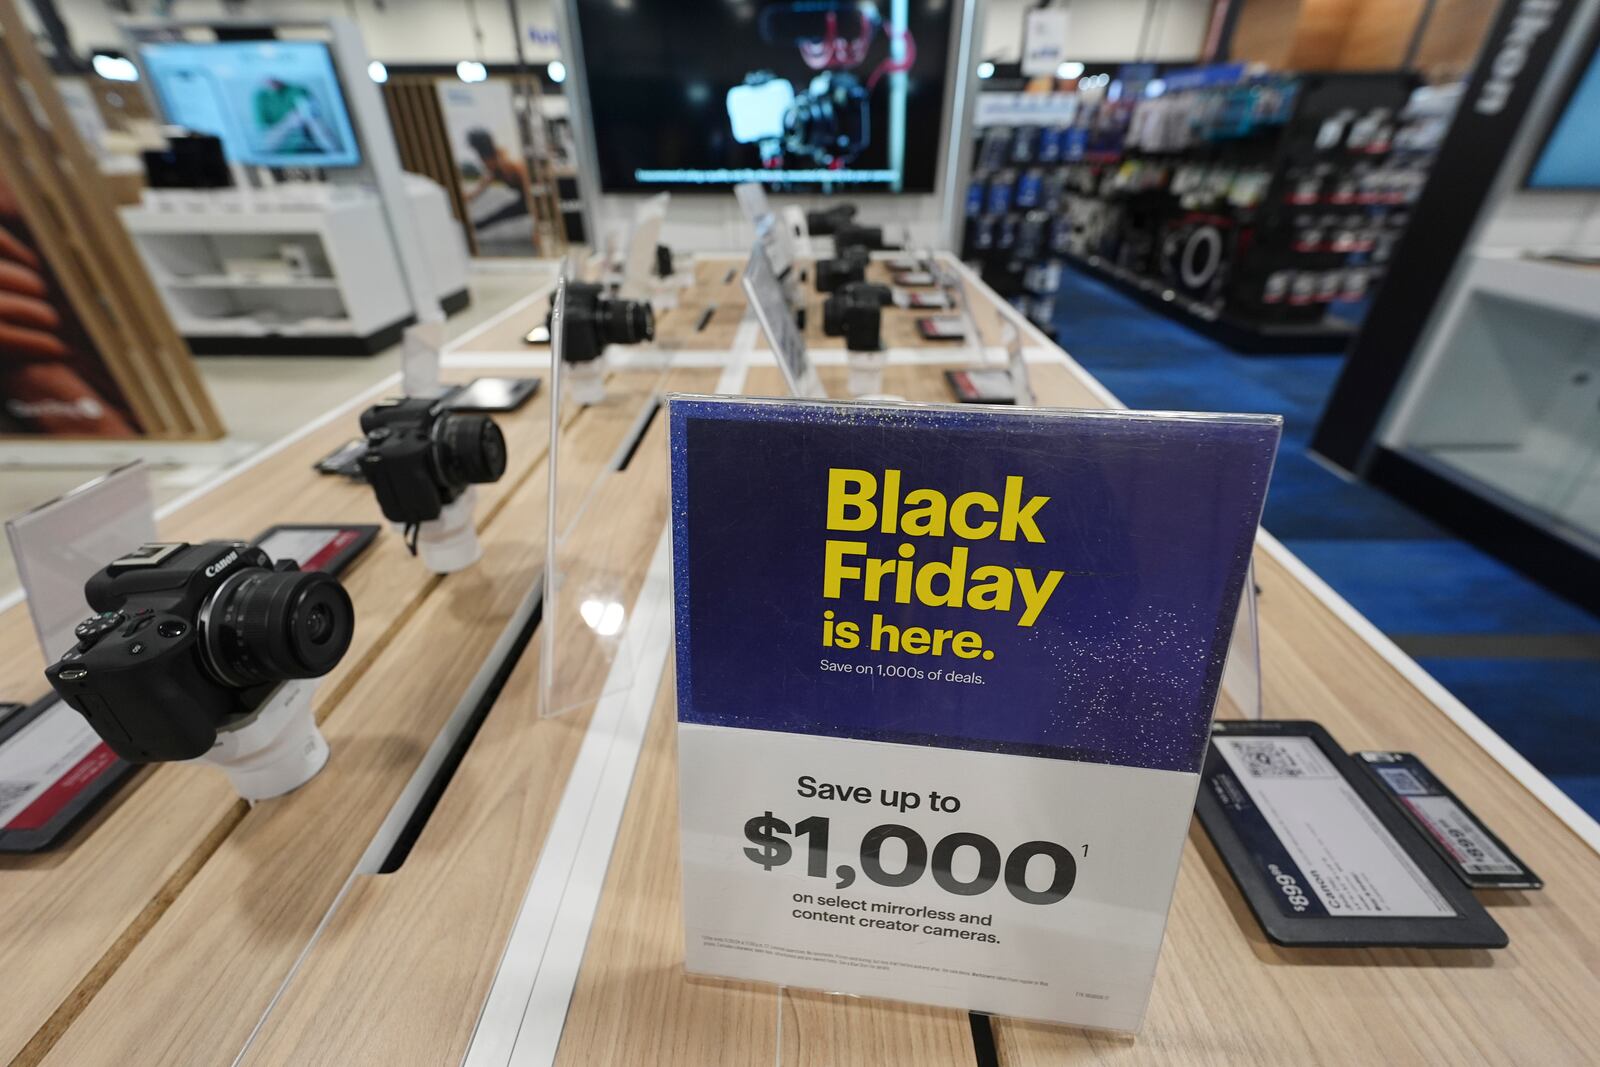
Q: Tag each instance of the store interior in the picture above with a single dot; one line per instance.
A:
(226, 225)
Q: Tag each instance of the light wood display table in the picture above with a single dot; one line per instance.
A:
(533, 906)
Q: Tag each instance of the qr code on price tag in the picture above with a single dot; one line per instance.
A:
(1271, 757)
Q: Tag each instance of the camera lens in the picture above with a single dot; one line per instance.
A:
(470, 449)
(268, 626)
(626, 322)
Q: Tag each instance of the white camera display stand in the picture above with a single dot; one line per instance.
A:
(450, 542)
(277, 749)
(866, 373)
(587, 380)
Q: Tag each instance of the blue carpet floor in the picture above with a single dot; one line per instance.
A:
(1525, 660)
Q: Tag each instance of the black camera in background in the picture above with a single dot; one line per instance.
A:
(659, 71)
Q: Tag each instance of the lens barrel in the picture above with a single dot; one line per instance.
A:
(269, 626)
(470, 448)
(626, 322)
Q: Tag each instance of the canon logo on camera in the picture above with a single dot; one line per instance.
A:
(222, 564)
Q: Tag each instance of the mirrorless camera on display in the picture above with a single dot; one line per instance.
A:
(202, 651)
(422, 460)
(593, 322)
(829, 221)
(849, 265)
(855, 312)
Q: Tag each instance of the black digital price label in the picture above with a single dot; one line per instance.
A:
(1319, 852)
(1478, 857)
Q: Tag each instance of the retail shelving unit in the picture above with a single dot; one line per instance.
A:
(282, 273)
(1246, 206)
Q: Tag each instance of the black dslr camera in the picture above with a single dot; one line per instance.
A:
(192, 638)
(823, 223)
(855, 313)
(595, 320)
(421, 457)
(850, 265)
(853, 236)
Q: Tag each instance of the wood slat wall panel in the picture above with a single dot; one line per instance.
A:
(70, 209)
(419, 129)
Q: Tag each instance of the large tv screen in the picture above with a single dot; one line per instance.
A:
(801, 95)
(1571, 155)
(273, 103)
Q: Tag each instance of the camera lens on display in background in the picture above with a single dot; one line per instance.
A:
(627, 322)
(470, 449)
(268, 626)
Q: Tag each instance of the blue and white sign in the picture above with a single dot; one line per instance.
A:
(945, 681)
(1044, 41)
(1026, 109)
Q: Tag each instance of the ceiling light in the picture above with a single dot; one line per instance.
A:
(114, 68)
(1068, 71)
(469, 70)
(986, 70)
(557, 71)
(377, 72)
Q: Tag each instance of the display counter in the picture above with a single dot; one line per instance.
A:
(468, 880)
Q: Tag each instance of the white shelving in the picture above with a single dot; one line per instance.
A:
(238, 281)
(1505, 397)
(254, 272)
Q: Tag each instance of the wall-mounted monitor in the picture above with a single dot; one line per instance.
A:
(272, 103)
(845, 96)
(1570, 158)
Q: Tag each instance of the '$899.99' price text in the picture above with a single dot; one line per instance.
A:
(770, 849)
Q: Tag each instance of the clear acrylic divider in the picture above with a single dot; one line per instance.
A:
(60, 544)
(955, 289)
(1241, 674)
(592, 567)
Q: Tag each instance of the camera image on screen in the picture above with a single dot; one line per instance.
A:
(421, 457)
(829, 123)
(189, 639)
(855, 313)
(827, 96)
(595, 321)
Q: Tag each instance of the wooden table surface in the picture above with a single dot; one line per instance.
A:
(180, 926)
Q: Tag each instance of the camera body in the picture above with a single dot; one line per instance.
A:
(595, 320)
(855, 313)
(830, 220)
(852, 236)
(190, 639)
(850, 265)
(420, 457)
